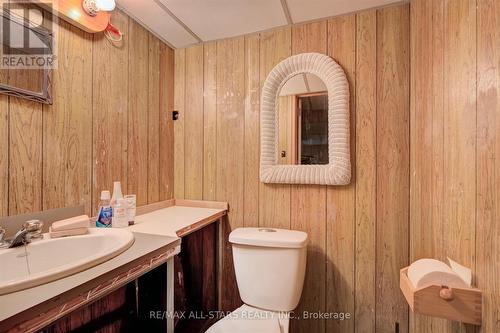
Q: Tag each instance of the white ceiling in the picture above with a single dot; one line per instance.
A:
(307, 10)
(185, 22)
(154, 18)
(216, 19)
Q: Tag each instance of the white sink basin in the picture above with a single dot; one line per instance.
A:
(51, 259)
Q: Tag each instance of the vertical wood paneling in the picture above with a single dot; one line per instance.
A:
(252, 131)
(25, 156)
(166, 122)
(64, 154)
(488, 163)
(329, 215)
(460, 130)
(308, 205)
(443, 119)
(25, 145)
(138, 113)
(110, 111)
(230, 150)
(426, 59)
(366, 170)
(209, 151)
(209, 120)
(193, 126)
(67, 155)
(452, 164)
(392, 165)
(153, 118)
(422, 115)
(179, 99)
(209, 169)
(25, 153)
(193, 155)
(209, 155)
(4, 147)
(426, 161)
(4, 152)
(341, 200)
(309, 215)
(386, 224)
(274, 199)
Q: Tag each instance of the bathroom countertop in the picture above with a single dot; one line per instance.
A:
(158, 230)
(144, 244)
(177, 220)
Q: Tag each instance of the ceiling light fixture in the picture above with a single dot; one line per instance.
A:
(92, 7)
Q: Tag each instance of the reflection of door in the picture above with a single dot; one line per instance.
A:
(312, 128)
(303, 129)
(298, 128)
(286, 134)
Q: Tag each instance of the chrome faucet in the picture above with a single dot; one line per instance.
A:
(2, 235)
(31, 230)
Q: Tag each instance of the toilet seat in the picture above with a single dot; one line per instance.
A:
(247, 319)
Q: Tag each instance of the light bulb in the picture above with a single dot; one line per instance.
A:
(106, 5)
(92, 7)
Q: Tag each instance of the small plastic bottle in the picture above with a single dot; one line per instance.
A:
(120, 218)
(105, 211)
(117, 192)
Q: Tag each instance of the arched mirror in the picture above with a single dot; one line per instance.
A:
(305, 122)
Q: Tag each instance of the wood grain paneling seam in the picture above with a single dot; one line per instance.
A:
(209, 120)
(252, 133)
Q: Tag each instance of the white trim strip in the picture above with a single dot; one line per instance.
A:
(286, 10)
(176, 19)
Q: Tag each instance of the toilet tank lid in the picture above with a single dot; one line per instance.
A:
(269, 237)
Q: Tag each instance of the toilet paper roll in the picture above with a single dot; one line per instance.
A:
(426, 272)
(464, 272)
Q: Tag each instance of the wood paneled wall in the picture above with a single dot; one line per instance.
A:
(110, 120)
(425, 82)
(217, 92)
(455, 145)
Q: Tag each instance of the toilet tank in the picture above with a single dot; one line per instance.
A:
(270, 266)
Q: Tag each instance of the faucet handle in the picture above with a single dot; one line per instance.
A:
(3, 243)
(34, 228)
(33, 225)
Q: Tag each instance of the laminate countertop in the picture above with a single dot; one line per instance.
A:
(176, 221)
(144, 244)
(158, 228)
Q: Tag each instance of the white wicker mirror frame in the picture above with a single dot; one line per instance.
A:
(338, 171)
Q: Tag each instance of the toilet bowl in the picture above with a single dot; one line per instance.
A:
(247, 319)
(270, 269)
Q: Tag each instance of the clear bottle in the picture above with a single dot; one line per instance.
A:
(120, 218)
(117, 192)
(131, 200)
(105, 211)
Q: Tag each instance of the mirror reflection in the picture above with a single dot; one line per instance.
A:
(303, 121)
(25, 70)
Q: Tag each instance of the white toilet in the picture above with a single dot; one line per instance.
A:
(270, 266)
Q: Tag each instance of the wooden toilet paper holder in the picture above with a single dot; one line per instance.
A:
(459, 304)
